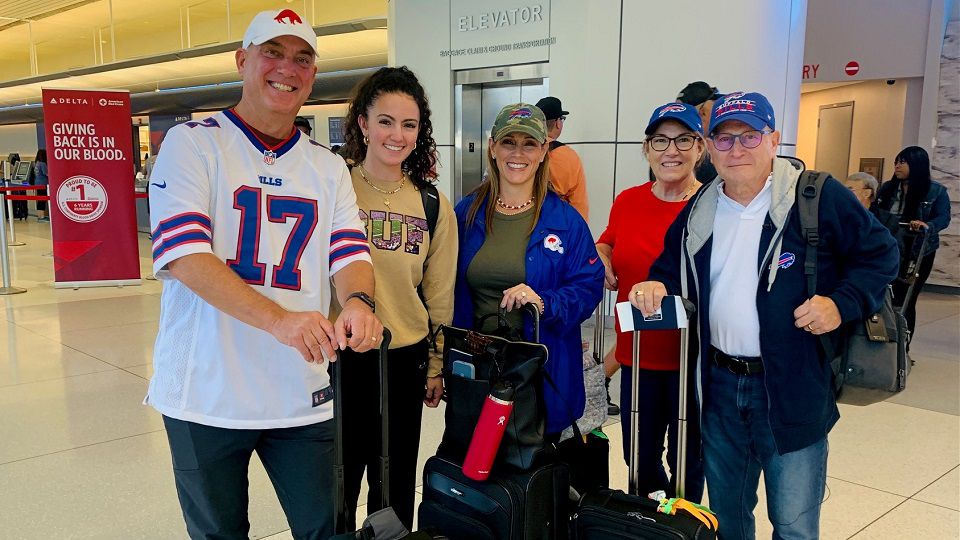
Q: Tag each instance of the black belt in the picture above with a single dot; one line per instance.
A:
(739, 365)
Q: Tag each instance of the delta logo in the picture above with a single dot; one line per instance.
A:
(68, 101)
(672, 108)
(288, 16)
(521, 113)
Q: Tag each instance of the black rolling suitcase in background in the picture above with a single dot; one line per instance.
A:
(527, 495)
(382, 524)
(613, 514)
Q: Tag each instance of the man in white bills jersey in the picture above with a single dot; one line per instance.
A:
(250, 220)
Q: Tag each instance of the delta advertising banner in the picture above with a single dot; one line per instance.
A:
(92, 209)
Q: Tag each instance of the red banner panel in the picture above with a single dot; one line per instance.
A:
(92, 210)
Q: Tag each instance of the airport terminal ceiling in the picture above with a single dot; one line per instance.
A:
(177, 47)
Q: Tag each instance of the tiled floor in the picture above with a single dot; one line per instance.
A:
(80, 456)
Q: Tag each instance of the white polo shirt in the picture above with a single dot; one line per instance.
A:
(734, 273)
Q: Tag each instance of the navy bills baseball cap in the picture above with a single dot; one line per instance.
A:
(751, 108)
(681, 112)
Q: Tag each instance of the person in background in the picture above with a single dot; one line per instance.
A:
(303, 125)
(702, 96)
(736, 251)
(566, 169)
(521, 244)
(41, 177)
(247, 251)
(914, 198)
(389, 136)
(632, 240)
(864, 187)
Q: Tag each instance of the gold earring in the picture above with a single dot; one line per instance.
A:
(366, 140)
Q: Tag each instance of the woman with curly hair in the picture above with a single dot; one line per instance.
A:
(389, 139)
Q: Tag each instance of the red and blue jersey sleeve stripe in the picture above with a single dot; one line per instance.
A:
(346, 243)
(179, 230)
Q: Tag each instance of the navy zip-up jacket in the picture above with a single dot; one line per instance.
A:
(857, 258)
(570, 281)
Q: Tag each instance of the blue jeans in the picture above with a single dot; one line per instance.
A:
(738, 444)
(658, 403)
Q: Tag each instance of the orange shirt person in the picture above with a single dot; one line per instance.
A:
(566, 169)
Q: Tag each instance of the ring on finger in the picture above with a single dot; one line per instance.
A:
(639, 293)
(810, 327)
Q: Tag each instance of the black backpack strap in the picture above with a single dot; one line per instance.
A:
(556, 144)
(430, 198)
(809, 189)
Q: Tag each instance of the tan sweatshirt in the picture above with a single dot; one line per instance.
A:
(403, 256)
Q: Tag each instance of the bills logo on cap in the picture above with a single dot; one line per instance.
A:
(553, 243)
(678, 107)
(786, 260)
(288, 16)
(521, 113)
(731, 105)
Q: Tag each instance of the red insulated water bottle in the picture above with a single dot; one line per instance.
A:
(489, 432)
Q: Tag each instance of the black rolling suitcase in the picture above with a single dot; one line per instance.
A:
(527, 495)
(382, 524)
(613, 514)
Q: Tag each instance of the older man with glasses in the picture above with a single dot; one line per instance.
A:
(864, 187)
(737, 252)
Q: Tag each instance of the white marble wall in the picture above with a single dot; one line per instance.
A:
(946, 157)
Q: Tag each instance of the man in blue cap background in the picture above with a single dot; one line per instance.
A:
(766, 390)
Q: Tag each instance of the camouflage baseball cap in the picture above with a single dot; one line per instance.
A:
(523, 118)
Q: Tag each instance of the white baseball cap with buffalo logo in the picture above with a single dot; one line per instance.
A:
(281, 22)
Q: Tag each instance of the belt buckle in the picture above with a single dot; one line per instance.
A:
(741, 366)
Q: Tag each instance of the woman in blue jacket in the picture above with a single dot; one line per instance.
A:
(912, 197)
(520, 244)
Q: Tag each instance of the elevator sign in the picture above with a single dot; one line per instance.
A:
(852, 68)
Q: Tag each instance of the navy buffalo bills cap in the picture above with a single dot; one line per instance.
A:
(751, 108)
(680, 112)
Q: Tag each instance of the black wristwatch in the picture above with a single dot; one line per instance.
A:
(365, 298)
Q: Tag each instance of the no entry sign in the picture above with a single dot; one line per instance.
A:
(852, 68)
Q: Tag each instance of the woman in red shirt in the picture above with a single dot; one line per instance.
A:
(633, 239)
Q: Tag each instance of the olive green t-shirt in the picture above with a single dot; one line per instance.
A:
(500, 265)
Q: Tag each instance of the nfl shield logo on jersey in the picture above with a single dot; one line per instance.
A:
(269, 157)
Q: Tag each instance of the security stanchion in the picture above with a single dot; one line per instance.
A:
(9, 205)
(5, 256)
(13, 232)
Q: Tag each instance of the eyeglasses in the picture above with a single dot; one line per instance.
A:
(562, 118)
(748, 139)
(662, 142)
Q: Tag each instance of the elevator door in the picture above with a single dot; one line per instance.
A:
(478, 97)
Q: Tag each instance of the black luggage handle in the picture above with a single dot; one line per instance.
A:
(341, 512)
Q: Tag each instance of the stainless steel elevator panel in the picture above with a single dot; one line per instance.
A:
(479, 95)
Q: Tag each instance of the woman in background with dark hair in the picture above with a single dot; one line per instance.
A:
(41, 177)
(911, 196)
(389, 140)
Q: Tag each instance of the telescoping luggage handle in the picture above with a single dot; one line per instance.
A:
(341, 516)
(674, 313)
